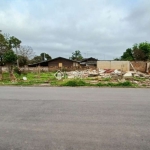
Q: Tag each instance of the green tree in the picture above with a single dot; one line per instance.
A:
(76, 56)
(15, 43)
(10, 58)
(141, 51)
(3, 49)
(117, 59)
(23, 60)
(45, 56)
(127, 55)
(138, 52)
(36, 59)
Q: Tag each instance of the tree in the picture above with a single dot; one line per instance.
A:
(22, 60)
(138, 52)
(36, 59)
(45, 56)
(15, 43)
(3, 49)
(10, 58)
(40, 58)
(76, 56)
(25, 53)
(127, 55)
(117, 59)
(141, 51)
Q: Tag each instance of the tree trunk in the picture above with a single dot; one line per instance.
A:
(1, 76)
(11, 74)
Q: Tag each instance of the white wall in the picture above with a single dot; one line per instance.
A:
(120, 65)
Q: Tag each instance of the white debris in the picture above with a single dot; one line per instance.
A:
(128, 74)
(117, 71)
(70, 77)
(101, 71)
(24, 78)
(136, 82)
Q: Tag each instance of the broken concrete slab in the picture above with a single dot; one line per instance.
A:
(128, 75)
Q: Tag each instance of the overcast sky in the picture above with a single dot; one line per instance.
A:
(103, 29)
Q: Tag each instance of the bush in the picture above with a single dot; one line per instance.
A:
(75, 83)
(127, 83)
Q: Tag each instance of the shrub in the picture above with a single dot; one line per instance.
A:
(75, 83)
(127, 83)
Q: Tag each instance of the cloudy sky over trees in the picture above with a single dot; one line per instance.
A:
(103, 29)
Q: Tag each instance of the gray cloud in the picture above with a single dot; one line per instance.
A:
(102, 29)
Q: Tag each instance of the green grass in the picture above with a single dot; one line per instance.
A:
(124, 84)
(32, 79)
(139, 79)
(106, 79)
(49, 78)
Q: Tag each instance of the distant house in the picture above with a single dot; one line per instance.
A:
(60, 62)
(57, 63)
(42, 64)
(89, 62)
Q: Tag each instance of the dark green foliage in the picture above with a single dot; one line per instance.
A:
(23, 60)
(124, 84)
(14, 42)
(127, 55)
(36, 59)
(10, 57)
(127, 83)
(76, 56)
(45, 56)
(3, 47)
(139, 52)
(75, 83)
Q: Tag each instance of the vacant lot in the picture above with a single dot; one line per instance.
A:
(74, 118)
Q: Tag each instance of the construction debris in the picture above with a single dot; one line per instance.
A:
(111, 75)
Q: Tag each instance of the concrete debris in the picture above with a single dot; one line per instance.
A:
(105, 73)
(136, 82)
(117, 71)
(101, 71)
(143, 75)
(121, 80)
(70, 76)
(128, 74)
(111, 75)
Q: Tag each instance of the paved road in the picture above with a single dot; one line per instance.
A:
(49, 118)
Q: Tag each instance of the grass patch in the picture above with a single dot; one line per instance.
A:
(124, 84)
(106, 79)
(139, 79)
(49, 78)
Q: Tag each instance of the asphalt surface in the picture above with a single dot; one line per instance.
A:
(51, 118)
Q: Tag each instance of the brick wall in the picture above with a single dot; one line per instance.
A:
(139, 65)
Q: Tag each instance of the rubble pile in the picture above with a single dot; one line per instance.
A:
(112, 75)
